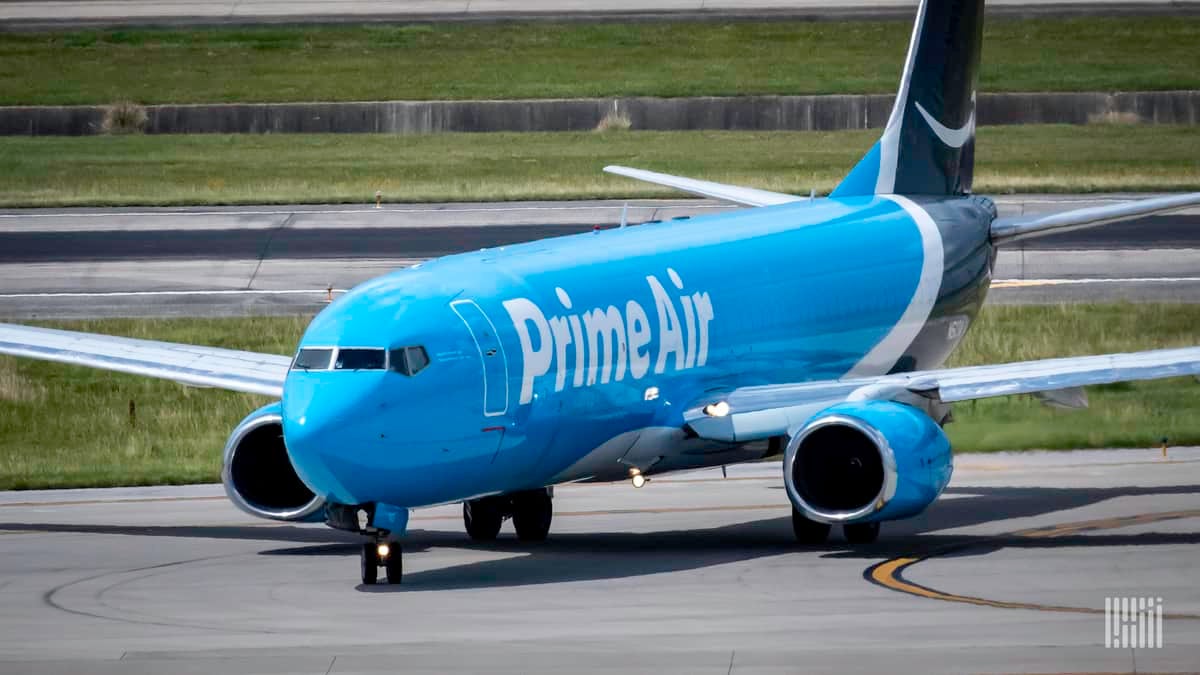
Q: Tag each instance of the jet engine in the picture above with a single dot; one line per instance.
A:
(866, 461)
(258, 474)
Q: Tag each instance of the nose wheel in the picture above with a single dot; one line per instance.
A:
(381, 553)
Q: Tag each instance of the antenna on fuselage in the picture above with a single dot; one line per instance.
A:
(624, 213)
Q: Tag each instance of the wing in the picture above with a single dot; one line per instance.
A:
(704, 188)
(753, 413)
(188, 364)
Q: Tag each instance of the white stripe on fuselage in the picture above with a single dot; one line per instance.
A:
(884, 355)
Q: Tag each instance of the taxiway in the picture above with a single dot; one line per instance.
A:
(691, 574)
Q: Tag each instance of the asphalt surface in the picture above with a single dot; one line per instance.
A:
(46, 14)
(76, 263)
(1008, 572)
(1159, 232)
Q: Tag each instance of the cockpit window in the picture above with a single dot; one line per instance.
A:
(360, 359)
(409, 360)
(313, 359)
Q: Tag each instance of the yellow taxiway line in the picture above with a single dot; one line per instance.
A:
(890, 573)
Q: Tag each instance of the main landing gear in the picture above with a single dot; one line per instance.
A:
(812, 533)
(385, 554)
(531, 512)
(861, 533)
(808, 532)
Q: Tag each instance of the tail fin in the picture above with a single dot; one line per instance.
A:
(928, 146)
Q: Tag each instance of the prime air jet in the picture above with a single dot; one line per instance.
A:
(812, 327)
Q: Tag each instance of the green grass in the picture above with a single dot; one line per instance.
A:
(1127, 415)
(545, 60)
(63, 426)
(239, 169)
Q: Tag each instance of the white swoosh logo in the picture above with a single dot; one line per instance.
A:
(954, 138)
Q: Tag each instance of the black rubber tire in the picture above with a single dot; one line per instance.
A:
(532, 513)
(861, 533)
(482, 518)
(394, 565)
(369, 562)
(808, 532)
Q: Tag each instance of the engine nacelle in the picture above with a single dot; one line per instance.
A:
(258, 474)
(866, 461)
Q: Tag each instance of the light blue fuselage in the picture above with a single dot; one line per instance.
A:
(642, 321)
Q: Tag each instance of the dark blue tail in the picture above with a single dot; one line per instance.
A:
(928, 147)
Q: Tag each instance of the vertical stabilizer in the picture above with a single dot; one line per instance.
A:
(928, 146)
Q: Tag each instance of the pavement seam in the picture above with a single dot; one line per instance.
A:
(266, 249)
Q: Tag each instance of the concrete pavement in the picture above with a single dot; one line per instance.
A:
(691, 574)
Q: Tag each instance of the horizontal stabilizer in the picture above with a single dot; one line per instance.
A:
(704, 188)
(1016, 228)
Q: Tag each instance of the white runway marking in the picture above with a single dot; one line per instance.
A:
(383, 211)
(1022, 283)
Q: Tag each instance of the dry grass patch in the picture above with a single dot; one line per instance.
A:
(615, 121)
(125, 117)
(1114, 117)
(16, 388)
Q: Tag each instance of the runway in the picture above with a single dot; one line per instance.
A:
(80, 263)
(49, 14)
(691, 574)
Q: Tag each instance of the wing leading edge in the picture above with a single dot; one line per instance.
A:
(193, 365)
(754, 413)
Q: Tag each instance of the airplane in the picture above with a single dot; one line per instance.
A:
(817, 325)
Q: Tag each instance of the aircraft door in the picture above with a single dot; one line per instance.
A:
(491, 352)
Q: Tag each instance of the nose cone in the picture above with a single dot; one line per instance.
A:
(326, 424)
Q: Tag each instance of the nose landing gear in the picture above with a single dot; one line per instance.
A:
(381, 553)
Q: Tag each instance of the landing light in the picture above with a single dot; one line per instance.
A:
(384, 551)
(638, 480)
(719, 409)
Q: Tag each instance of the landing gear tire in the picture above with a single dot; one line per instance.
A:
(532, 513)
(808, 532)
(861, 533)
(482, 518)
(393, 565)
(370, 563)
